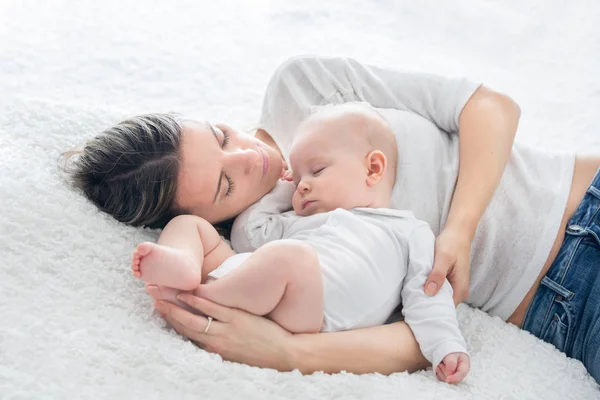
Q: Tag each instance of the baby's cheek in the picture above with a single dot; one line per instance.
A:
(296, 202)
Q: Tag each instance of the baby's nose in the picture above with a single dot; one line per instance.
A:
(303, 187)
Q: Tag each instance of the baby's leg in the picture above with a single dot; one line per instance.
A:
(176, 260)
(282, 279)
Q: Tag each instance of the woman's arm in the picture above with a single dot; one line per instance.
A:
(487, 128)
(243, 337)
(301, 83)
(384, 349)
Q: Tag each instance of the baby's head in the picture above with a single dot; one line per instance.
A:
(344, 156)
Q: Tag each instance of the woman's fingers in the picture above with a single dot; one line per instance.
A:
(452, 261)
(200, 338)
(458, 277)
(183, 320)
(435, 280)
(457, 273)
(459, 280)
(207, 307)
(183, 330)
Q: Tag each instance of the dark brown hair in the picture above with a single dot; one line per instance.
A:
(130, 170)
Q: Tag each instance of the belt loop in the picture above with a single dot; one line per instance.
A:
(595, 235)
(561, 290)
(594, 191)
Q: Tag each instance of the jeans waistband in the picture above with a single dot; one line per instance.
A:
(585, 221)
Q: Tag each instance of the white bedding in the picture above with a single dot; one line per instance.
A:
(75, 324)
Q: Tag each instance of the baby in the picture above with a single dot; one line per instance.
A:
(342, 259)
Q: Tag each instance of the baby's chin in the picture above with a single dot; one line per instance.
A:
(300, 212)
(307, 212)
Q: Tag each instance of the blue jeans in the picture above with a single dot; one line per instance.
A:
(565, 310)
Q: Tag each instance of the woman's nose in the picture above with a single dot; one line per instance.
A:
(246, 159)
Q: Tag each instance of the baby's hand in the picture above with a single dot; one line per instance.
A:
(286, 175)
(453, 368)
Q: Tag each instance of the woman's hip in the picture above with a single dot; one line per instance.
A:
(584, 173)
(565, 310)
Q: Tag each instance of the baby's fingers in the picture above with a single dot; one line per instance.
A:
(463, 366)
(439, 372)
(287, 176)
(450, 363)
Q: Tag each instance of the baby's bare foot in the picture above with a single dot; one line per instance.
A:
(165, 266)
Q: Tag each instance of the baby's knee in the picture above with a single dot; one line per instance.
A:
(185, 219)
(190, 220)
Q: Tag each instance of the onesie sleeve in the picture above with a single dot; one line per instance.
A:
(304, 82)
(264, 220)
(431, 318)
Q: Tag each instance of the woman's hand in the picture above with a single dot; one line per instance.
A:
(234, 334)
(452, 260)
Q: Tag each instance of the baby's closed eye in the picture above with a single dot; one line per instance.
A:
(317, 171)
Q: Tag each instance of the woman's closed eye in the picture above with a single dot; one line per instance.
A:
(230, 183)
(226, 137)
(230, 186)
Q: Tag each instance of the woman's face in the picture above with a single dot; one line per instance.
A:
(223, 171)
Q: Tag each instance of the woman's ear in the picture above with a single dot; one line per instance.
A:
(376, 165)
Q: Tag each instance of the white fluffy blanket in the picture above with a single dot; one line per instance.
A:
(73, 322)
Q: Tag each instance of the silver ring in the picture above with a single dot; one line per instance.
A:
(208, 325)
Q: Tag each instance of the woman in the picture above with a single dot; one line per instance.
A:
(519, 217)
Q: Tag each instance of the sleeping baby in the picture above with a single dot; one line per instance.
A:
(341, 259)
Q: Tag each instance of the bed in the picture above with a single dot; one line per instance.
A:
(75, 324)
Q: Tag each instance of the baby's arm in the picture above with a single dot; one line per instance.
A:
(265, 220)
(281, 279)
(432, 319)
(187, 250)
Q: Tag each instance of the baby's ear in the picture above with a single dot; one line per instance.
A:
(376, 166)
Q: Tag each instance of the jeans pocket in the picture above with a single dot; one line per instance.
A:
(557, 332)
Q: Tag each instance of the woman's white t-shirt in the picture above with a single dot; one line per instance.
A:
(517, 230)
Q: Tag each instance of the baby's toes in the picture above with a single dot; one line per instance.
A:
(144, 248)
(135, 266)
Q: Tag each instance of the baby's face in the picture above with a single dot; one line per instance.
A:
(327, 174)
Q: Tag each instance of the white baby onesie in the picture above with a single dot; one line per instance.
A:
(370, 259)
(424, 110)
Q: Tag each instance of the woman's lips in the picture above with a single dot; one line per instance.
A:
(265, 161)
